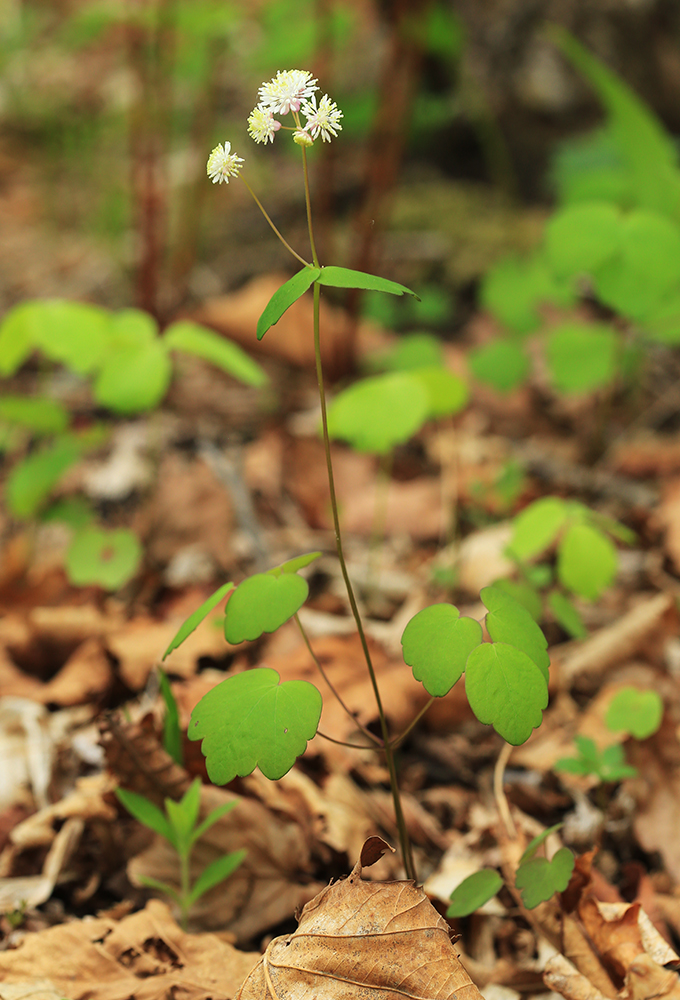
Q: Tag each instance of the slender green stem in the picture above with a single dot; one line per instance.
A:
(185, 888)
(404, 841)
(375, 740)
(282, 238)
(414, 722)
(342, 743)
(308, 205)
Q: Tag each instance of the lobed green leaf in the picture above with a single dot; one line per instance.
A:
(582, 357)
(506, 690)
(539, 879)
(508, 622)
(502, 364)
(251, 720)
(380, 412)
(537, 527)
(262, 603)
(436, 644)
(107, 559)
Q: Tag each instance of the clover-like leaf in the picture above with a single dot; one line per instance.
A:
(195, 619)
(635, 711)
(473, 892)
(506, 690)
(283, 298)
(134, 377)
(586, 561)
(581, 237)
(539, 879)
(377, 413)
(262, 603)
(447, 392)
(436, 644)
(252, 720)
(507, 621)
(344, 277)
(107, 559)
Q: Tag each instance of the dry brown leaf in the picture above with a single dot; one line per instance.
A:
(145, 956)
(377, 940)
(613, 644)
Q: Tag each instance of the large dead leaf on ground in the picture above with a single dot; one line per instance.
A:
(377, 940)
(143, 957)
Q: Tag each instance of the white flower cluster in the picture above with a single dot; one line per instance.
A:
(294, 91)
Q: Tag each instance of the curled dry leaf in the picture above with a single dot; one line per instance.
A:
(377, 940)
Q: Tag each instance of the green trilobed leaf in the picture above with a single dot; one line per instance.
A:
(502, 364)
(41, 415)
(587, 561)
(30, 483)
(637, 280)
(225, 354)
(262, 603)
(473, 892)
(539, 879)
(580, 238)
(436, 644)
(107, 559)
(537, 527)
(252, 720)
(343, 277)
(507, 621)
(635, 711)
(136, 370)
(581, 357)
(447, 393)
(380, 412)
(506, 690)
(284, 297)
(195, 619)
(293, 565)
(566, 615)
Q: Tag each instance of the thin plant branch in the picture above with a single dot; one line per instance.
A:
(280, 236)
(414, 722)
(499, 793)
(375, 740)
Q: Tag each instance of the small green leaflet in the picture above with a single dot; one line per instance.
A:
(215, 873)
(508, 622)
(537, 527)
(41, 415)
(436, 644)
(635, 711)
(506, 690)
(172, 734)
(343, 277)
(473, 892)
(252, 720)
(147, 813)
(30, 483)
(262, 603)
(566, 614)
(534, 844)
(195, 619)
(539, 879)
(502, 364)
(284, 297)
(587, 561)
(380, 412)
